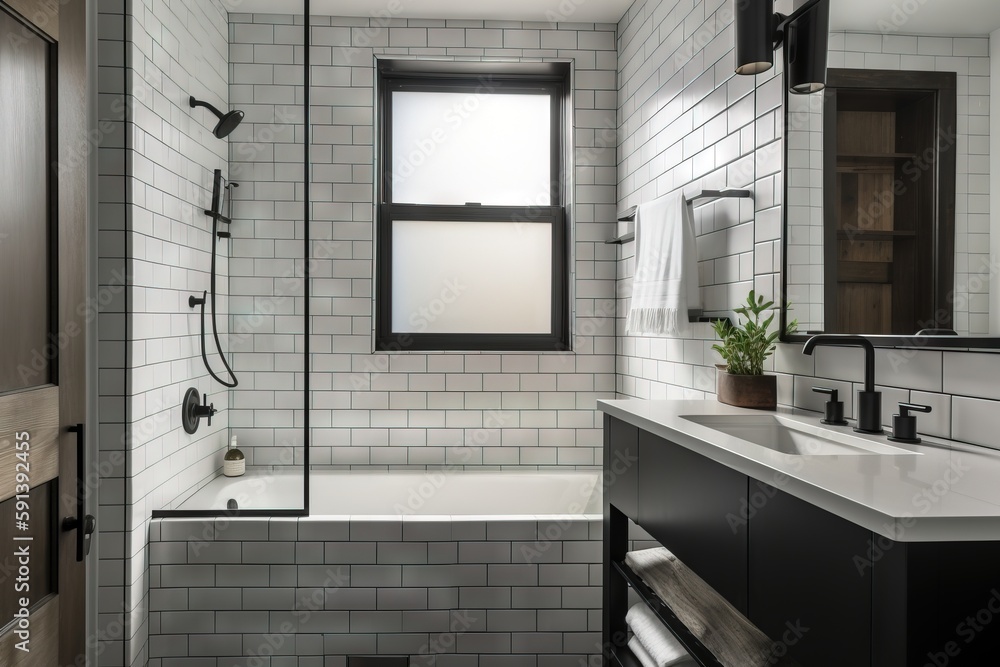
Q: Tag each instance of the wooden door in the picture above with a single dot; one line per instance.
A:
(43, 102)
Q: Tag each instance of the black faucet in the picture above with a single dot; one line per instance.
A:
(869, 400)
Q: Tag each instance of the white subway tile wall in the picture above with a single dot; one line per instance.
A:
(686, 121)
(310, 592)
(804, 244)
(156, 158)
(404, 409)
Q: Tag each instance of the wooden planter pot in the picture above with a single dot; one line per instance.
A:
(759, 392)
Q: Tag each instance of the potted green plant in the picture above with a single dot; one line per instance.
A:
(744, 348)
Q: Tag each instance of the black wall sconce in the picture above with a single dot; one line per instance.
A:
(805, 34)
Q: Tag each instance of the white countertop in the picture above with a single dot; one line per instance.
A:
(948, 491)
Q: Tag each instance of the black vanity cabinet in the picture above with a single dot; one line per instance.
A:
(621, 476)
(693, 504)
(826, 591)
(806, 588)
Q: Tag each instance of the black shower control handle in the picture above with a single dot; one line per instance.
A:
(206, 409)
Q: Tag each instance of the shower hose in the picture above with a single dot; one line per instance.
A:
(194, 301)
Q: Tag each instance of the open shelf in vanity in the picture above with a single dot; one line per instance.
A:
(688, 640)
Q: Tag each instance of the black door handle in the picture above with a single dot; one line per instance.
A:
(84, 524)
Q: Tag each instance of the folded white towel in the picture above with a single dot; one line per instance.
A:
(665, 285)
(640, 652)
(662, 648)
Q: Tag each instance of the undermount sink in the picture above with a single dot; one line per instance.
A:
(789, 436)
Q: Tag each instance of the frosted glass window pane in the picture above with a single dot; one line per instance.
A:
(471, 277)
(455, 148)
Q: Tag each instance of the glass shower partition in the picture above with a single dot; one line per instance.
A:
(264, 273)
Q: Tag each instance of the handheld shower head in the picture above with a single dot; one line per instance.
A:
(227, 122)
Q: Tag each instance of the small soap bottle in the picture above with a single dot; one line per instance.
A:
(235, 463)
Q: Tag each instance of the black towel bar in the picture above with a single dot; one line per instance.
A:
(703, 197)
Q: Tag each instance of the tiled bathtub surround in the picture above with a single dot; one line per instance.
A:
(685, 117)
(466, 592)
(404, 409)
(156, 158)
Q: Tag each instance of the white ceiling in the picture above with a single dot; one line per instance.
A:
(549, 11)
(922, 17)
(926, 17)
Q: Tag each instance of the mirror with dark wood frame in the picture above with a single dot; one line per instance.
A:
(887, 182)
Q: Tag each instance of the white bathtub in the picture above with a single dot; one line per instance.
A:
(530, 539)
(423, 493)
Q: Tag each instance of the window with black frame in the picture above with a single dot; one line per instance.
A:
(472, 240)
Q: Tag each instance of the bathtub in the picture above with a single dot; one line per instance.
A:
(469, 564)
(420, 493)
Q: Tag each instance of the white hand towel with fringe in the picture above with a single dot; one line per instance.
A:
(665, 285)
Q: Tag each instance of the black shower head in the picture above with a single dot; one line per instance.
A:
(227, 122)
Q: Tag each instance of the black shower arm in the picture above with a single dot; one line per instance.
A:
(198, 103)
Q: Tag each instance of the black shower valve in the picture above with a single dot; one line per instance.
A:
(192, 412)
(205, 410)
(194, 302)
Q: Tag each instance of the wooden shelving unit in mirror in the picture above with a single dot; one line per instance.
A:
(889, 230)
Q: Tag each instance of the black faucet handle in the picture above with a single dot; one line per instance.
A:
(906, 408)
(904, 425)
(834, 407)
(832, 393)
